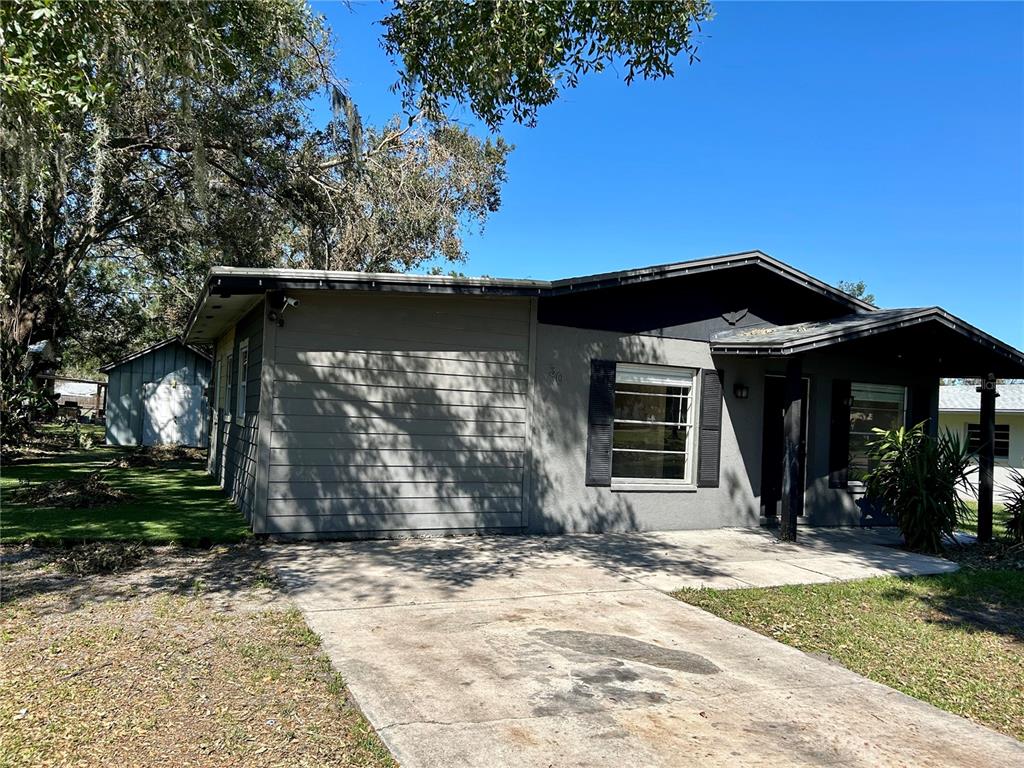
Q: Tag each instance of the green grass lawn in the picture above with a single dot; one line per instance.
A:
(999, 518)
(174, 502)
(955, 640)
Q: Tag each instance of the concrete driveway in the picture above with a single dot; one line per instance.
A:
(561, 651)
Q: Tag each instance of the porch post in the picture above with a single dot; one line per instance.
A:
(793, 471)
(986, 457)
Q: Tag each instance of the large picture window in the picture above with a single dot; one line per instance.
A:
(872, 406)
(652, 433)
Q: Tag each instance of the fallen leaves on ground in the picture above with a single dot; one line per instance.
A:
(160, 667)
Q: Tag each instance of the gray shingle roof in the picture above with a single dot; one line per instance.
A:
(965, 397)
(784, 340)
(780, 337)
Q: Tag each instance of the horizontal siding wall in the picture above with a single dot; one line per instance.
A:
(397, 415)
(239, 435)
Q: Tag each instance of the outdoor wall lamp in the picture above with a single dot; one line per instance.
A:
(742, 391)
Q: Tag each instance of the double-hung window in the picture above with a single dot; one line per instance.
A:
(653, 428)
(243, 368)
(872, 406)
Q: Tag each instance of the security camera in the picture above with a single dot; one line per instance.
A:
(277, 315)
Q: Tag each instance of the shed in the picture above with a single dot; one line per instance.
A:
(157, 396)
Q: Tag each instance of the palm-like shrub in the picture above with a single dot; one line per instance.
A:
(1013, 495)
(917, 478)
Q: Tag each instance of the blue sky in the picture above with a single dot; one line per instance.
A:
(870, 141)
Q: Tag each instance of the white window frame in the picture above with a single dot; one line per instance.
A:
(243, 365)
(673, 376)
(229, 362)
(218, 373)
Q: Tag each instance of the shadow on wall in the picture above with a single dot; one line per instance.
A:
(390, 440)
(383, 431)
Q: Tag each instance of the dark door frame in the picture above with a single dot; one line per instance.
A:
(774, 514)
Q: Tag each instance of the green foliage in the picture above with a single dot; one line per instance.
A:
(144, 142)
(136, 135)
(1013, 494)
(916, 477)
(859, 290)
(403, 201)
(141, 143)
(21, 401)
(509, 58)
(175, 502)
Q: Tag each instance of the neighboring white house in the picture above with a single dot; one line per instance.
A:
(958, 412)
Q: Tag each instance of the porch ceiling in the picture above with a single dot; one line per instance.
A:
(929, 338)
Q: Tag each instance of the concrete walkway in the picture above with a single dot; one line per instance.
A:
(562, 651)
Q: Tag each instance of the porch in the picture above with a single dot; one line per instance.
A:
(914, 346)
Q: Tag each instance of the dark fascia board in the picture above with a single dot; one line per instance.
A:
(154, 348)
(224, 281)
(242, 280)
(869, 327)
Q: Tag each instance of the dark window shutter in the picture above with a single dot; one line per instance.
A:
(709, 445)
(839, 435)
(600, 414)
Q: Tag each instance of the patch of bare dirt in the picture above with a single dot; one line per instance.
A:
(1001, 554)
(193, 658)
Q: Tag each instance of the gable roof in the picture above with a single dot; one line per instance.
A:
(153, 348)
(224, 285)
(965, 397)
(782, 340)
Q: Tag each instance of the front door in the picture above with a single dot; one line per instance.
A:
(773, 440)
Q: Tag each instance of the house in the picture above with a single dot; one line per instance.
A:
(728, 391)
(958, 412)
(157, 396)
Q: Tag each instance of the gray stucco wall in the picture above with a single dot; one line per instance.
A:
(395, 415)
(124, 408)
(560, 501)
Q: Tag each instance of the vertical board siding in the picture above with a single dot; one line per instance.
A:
(238, 437)
(396, 415)
(125, 384)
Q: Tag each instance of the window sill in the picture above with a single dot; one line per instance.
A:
(625, 486)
